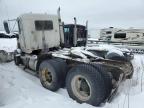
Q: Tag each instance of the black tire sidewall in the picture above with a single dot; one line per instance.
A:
(107, 76)
(96, 84)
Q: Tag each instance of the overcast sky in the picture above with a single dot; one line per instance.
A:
(99, 13)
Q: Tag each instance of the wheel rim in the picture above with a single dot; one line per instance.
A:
(81, 88)
(47, 76)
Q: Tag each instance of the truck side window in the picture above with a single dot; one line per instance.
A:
(43, 25)
(120, 35)
(66, 30)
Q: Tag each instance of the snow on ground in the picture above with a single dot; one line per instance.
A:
(19, 89)
(8, 45)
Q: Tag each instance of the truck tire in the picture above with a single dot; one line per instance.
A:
(17, 59)
(63, 69)
(107, 76)
(86, 85)
(51, 74)
(115, 56)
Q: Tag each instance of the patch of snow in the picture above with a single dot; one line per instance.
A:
(8, 45)
(2, 32)
(19, 89)
(10, 34)
(89, 53)
(115, 51)
(108, 48)
(92, 39)
(78, 53)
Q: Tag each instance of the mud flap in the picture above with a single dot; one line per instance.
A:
(114, 91)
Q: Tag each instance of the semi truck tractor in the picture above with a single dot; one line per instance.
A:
(58, 54)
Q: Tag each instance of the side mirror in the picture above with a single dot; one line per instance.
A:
(6, 27)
